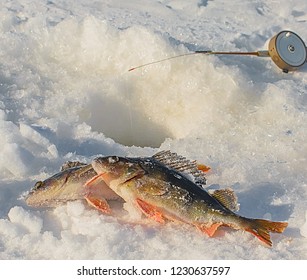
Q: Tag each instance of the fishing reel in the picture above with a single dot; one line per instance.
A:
(287, 50)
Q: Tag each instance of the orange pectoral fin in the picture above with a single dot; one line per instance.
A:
(150, 211)
(209, 230)
(98, 178)
(93, 181)
(99, 203)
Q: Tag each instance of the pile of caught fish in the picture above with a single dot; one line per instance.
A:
(164, 187)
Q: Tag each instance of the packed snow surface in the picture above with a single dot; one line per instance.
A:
(66, 94)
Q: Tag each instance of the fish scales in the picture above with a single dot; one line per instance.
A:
(173, 188)
(158, 169)
(162, 193)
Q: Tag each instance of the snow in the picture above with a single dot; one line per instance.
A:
(304, 228)
(66, 94)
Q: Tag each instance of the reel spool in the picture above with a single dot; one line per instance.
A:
(288, 51)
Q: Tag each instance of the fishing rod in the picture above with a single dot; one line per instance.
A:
(287, 50)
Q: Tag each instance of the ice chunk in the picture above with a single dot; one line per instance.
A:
(75, 208)
(303, 228)
(53, 151)
(34, 136)
(9, 132)
(2, 115)
(16, 159)
(20, 216)
(31, 134)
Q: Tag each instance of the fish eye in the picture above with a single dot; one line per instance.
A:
(37, 185)
(113, 159)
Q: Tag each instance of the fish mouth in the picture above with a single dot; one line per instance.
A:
(31, 198)
(47, 203)
(33, 201)
(38, 195)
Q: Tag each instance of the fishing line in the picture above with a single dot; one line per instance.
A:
(286, 49)
(158, 61)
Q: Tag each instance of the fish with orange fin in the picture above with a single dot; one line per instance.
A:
(69, 185)
(157, 187)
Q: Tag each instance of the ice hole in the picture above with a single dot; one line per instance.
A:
(124, 124)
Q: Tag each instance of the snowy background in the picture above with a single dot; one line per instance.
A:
(66, 94)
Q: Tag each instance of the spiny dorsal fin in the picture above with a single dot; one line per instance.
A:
(227, 198)
(70, 164)
(181, 164)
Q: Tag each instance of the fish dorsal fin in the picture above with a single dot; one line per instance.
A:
(71, 164)
(227, 198)
(182, 165)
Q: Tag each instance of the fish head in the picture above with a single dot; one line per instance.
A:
(63, 186)
(44, 191)
(119, 169)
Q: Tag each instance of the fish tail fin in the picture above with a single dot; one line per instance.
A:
(262, 228)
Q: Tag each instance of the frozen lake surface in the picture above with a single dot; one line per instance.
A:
(66, 94)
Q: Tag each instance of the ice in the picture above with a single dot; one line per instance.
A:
(75, 208)
(2, 115)
(303, 228)
(19, 216)
(34, 136)
(16, 159)
(31, 134)
(66, 94)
